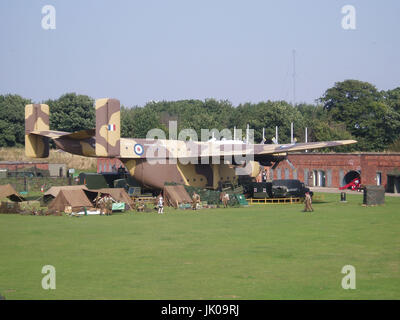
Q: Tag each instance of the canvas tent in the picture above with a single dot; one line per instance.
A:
(175, 195)
(118, 194)
(76, 199)
(53, 191)
(7, 191)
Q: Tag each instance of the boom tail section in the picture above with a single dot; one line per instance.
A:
(108, 129)
(36, 119)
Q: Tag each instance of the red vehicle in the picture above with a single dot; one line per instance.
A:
(354, 185)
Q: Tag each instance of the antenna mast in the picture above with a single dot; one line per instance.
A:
(294, 77)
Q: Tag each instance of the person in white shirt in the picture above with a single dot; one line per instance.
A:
(160, 204)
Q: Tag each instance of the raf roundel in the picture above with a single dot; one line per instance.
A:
(138, 148)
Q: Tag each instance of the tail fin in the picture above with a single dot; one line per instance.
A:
(108, 130)
(36, 119)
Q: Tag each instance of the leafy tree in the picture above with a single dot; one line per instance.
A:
(268, 115)
(71, 112)
(311, 113)
(349, 110)
(136, 122)
(12, 120)
(395, 146)
(362, 108)
(192, 114)
(392, 98)
(325, 131)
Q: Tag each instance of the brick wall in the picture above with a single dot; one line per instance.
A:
(108, 165)
(336, 166)
(13, 166)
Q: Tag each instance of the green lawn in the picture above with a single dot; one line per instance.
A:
(260, 252)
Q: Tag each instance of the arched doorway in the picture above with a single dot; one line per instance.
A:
(319, 178)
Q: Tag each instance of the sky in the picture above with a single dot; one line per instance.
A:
(241, 51)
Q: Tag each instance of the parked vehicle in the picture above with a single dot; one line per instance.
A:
(287, 188)
(258, 190)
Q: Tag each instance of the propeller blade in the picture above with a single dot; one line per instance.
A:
(290, 164)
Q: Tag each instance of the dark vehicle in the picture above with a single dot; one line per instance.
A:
(289, 188)
(107, 180)
(258, 190)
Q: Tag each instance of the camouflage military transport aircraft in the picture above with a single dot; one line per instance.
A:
(199, 164)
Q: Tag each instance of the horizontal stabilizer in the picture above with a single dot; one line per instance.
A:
(78, 135)
(81, 135)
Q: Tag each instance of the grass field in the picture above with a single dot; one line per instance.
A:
(261, 252)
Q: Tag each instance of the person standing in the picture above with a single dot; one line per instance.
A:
(224, 197)
(108, 204)
(264, 176)
(195, 200)
(141, 206)
(160, 204)
(308, 203)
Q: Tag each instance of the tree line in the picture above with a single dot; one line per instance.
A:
(351, 109)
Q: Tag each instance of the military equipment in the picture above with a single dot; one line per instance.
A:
(289, 188)
(3, 173)
(241, 199)
(153, 162)
(258, 190)
(374, 195)
(134, 191)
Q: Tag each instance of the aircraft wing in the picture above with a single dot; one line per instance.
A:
(278, 148)
(167, 149)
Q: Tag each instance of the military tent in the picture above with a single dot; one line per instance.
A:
(53, 191)
(175, 195)
(7, 191)
(118, 194)
(76, 199)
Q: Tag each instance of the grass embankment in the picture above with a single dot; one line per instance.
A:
(260, 252)
(56, 156)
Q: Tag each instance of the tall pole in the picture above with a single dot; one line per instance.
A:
(306, 135)
(276, 134)
(291, 132)
(294, 77)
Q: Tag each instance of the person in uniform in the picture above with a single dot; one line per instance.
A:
(101, 204)
(108, 204)
(308, 203)
(195, 200)
(141, 206)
